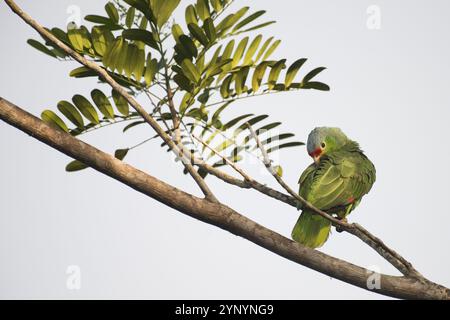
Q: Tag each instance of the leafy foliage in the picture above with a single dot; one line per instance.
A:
(206, 62)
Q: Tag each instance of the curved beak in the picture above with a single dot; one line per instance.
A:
(316, 159)
(316, 154)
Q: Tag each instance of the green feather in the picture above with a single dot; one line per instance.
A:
(336, 184)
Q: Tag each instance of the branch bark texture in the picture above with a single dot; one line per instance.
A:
(216, 214)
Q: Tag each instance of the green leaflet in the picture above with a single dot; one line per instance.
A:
(132, 60)
(263, 49)
(121, 103)
(121, 153)
(54, 120)
(312, 74)
(198, 34)
(190, 70)
(203, 10)
(121, 57)
(279, 171)
(83, 72)
(177, 32)
(101, 39)
(189, 46)
(258, 75)
(86, 108)
(316, 85)
(248, 20)
(186, 102)
(224, 145)
(228, 50)
(275, 73)
(129, 19)
(259, 26)
(163, 9)
(113, 53)
(150, 70)
(212, 63)
(264, 129)
(292, 71)
(217, 5)
(143, 6)
(210, 29)
(234, 121)
(61, 35)
(216, 115)
(39, 46)
(132, 125)
(98, 19)
(252, 50)
(229, 21)
(250, 122)
(112, 12)
(218, 68)
(75, 166)
(225, 87)
(285, 145)
(71, 113)
(272, 49)
(191, 15)
(239, 52)
(76, 39)
(240, 80)
(102, 103)
(143, 24)
(183, 82)
(139, 67)
(141, 35)
(204, 97)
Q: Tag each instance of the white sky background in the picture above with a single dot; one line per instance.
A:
(389, 93)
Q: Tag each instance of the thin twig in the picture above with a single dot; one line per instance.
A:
(248, 181)
(228, 161)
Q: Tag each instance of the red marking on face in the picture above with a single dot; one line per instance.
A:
(317, 152)
(351, 200)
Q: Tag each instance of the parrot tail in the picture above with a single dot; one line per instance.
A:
(311, 230)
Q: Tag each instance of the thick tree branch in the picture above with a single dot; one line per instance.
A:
(215, 213)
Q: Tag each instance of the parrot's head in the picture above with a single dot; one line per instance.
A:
(324, 140)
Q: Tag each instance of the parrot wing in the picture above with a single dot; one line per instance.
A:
(338, 181)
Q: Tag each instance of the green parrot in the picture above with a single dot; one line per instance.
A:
(335, 183)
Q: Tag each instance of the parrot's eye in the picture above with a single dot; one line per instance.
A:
(323, 144)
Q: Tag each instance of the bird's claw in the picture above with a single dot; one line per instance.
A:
(338, 228)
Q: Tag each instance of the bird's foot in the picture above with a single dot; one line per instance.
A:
(338, 228)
